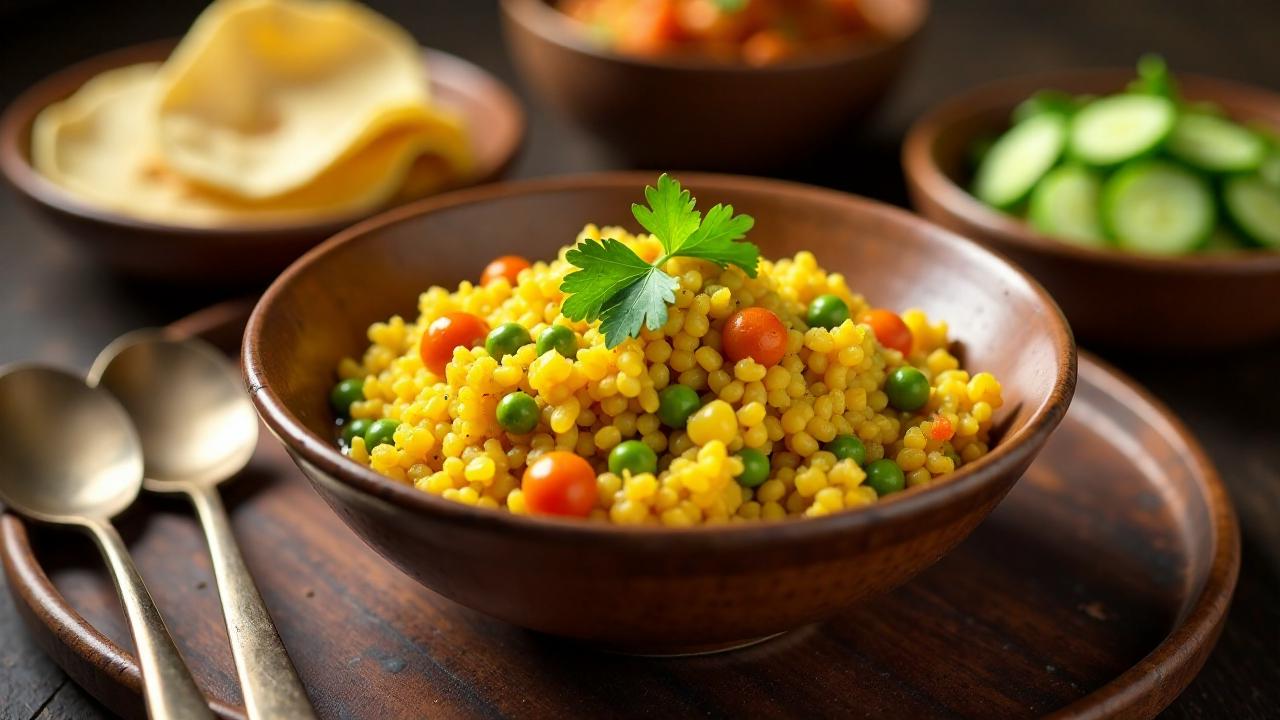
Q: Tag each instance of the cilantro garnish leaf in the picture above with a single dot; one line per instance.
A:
(624, 292)
(670, 216)
(607, 268)
(716, 240)
(643, 302)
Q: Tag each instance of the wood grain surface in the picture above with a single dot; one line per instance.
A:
(55, 305)
(1026, 621)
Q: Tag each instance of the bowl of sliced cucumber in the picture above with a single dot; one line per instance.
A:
(1147, 203)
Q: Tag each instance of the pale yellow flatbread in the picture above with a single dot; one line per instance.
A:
(262, 96)
(100, 145)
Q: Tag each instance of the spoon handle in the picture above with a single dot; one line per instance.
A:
(268, 679)
(170, 691)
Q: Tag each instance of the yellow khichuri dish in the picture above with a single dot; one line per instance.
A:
(267, 111)
(672, 378)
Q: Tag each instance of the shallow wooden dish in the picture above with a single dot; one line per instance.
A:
(646, 589)
(1111, 297)
(1096, 590)
(241, 253)
(686, 112)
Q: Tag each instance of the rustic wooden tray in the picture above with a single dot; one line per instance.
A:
(1097, 589)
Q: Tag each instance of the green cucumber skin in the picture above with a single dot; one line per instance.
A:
(1046, 101)
(978, 150)
(1111, 190)
(1225, 239)
(1242, 232)
(1270, 170)
(1154, 78)
(1151, 151)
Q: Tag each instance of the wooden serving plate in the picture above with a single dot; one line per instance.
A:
(1097, 589)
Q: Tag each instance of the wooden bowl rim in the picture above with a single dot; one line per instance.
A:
(41, 602)
(15, 140)
(554, 27)
(922, 170)
(1013, 452)
(1197, 628)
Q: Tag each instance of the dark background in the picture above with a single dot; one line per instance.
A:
(56, 306)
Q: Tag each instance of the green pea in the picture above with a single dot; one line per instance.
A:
(355, 428)
(558, 338)
(381, 432)
(955, 457)
(675, 404)
(885, 477)
(506, 339)
(518, 413)
(827, 311)
(755, 467)
(907, 388)
(848, 447)
(634, 456)
(344, 393)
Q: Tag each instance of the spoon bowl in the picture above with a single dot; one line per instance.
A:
(70, 452)
(193, 418)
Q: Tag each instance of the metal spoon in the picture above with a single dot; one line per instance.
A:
(72, 457)
(198, 428)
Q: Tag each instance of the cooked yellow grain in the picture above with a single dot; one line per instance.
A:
(829, 382)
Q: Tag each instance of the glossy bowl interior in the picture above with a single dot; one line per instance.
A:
(653, 589)
(685, 112)
(240, 252)
(1111, 297)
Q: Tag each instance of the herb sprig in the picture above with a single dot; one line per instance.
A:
(617, 287)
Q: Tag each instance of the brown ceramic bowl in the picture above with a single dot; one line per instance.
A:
(652, 589)
(240, 253)
(1111, 297)
(686, 112)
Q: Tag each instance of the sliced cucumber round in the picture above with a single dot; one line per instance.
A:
(1065, 204)
(1254, 205)
(1158, 207)
(1019, 158)
(1215, 144)
(1120, 128)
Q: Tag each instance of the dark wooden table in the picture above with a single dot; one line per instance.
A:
(56, 306)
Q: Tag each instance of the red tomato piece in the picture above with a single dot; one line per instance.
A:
(560, 483)
(754, 333)
(651, 28)
(449, 331)
(889, 329)
(766, 47)
(942, 430)
(507, 266)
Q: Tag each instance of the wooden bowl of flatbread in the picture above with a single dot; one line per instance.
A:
(141, 237)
